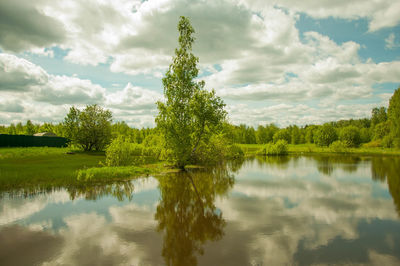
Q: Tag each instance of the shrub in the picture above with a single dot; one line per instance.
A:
(278, 148)
(365, 135)
(381, 130)
(325, 135)
(121, 152)
(234, 151)
(350, 136)
(396, 143)
(387, 141)
(372, 144)
(212, 152)
(339, 146)
(216, 151)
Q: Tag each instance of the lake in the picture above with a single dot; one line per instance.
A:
(294, 210)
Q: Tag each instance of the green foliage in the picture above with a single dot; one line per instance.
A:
(282, 134)
(217, 150)
(265, 134)
(11, 129)
(295, 135)
(278, 148)
(396, 143)
(339, 146)
(29, 128)
(310, 131)
(19, 129)
(387, 141)
(381, 130)
(190, 114)
(111, 173)
(379, 115)
(394, 113)
(325, 135)
(90, 129)
(350, 136)
(372, 144)
(365, 135)
(122, 153)
(234, 151)
(212, 152)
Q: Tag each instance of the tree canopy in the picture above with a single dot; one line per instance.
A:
(394, 113)
(90, 128)
(190, 114)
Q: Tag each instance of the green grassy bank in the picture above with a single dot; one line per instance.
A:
(251, 149)
(42, 167)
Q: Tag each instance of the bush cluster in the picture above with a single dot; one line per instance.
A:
(325, 135)
(234, 151)
(278, 148)
(122, 153)
(350, 136)
(217, 150)
(339, 146)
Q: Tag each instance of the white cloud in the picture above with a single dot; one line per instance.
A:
(24, 26)
(69, 90)
(380, 14)
(390, 42)
(300, 114)
(29, 92)
(14, 209)
(253, 48)
(133, 98)
(18, 74)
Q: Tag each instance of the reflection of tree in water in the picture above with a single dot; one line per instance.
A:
(282, 162)
(387, 167)
(187, 214)
(90, 191)
(29, 192)
(326, 164)
(234, 165)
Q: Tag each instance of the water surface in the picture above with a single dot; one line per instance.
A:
(263, 211)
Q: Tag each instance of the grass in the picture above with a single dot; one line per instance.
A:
(118, 173)
(251, 149)
(46, 168)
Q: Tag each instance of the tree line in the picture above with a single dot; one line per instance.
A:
(378, 130)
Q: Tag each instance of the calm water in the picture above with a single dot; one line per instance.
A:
(263, 211)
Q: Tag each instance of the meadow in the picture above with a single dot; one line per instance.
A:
(46, 168)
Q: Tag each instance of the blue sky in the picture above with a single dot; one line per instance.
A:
(284, 62)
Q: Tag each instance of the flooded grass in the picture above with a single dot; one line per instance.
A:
(60, 167)
(251, 149)
(24, 167)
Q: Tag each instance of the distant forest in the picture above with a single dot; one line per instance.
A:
(374, 130)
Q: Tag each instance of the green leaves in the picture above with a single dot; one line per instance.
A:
(190, 114)
(90, 128)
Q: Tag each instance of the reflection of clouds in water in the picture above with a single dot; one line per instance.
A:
(14, 209)
(145, 184)
(133, 217)
(283, 211)
(22, 246)
(275, 216)
(90, 240)
(382, 259)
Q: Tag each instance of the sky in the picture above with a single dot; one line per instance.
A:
(283, 62)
